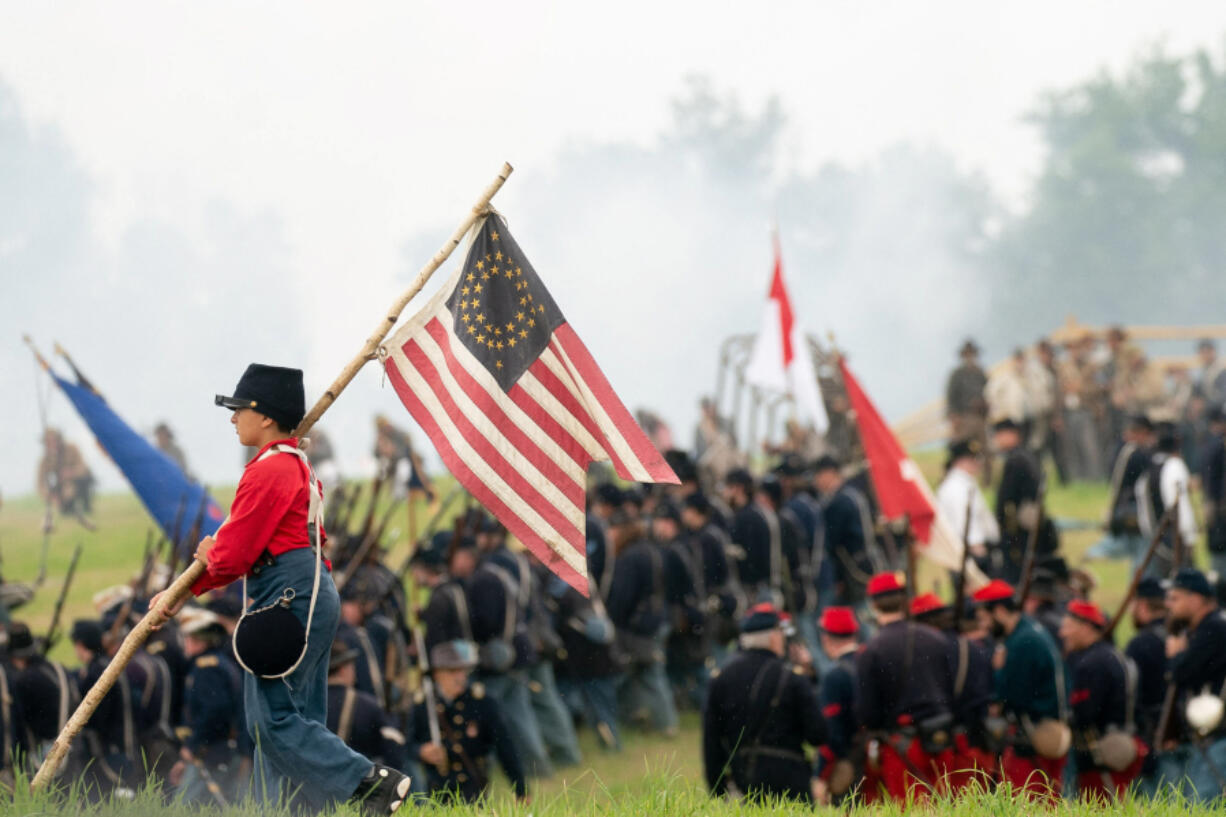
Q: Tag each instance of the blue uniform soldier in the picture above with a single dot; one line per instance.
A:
(209, 767)
(44, 695)
(446, 569)
(847, 562)
(1197, 663)
(110, 734)
(498, 598)
(356, 716)
(646, 580)
(760, 714)
(756, 536)
(716, 582)
(1107, 753)
(837, 759)
(1032, 691)
(455, 740)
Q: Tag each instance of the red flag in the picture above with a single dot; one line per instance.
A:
(513, 401)
(900, 486)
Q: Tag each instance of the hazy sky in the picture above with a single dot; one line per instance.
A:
(220, 162)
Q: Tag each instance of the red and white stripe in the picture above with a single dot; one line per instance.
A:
(522, 454)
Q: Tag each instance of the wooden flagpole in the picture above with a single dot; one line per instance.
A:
(182, 586)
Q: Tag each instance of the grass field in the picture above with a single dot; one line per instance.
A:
(651, 776)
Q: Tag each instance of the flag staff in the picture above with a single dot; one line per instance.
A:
(183, 584)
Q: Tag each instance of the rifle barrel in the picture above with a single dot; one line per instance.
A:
(49, 642)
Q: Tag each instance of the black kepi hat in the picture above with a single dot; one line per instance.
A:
(1193, 581)
(273, 391)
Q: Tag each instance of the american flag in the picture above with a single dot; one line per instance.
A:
(514, 403)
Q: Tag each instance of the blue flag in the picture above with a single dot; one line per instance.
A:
(174, 501)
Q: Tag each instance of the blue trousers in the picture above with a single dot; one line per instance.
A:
(287, 717)
(646, 697)
(594, 700)
(555, 722)
(511, 691)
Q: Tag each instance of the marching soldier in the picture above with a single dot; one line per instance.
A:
(470, 728)
(151, 693)
(759, 715)
(165, 440)
(964, 401)
(1163, 486)
(1197, 664)
(498, 596)
(688, 644)
(354, 634)
(446, 571)
(1147, 650)
(63, 476)
(716, 582)
(904, 699)
(1031, 691)
(755, 534)
(356, 716)
(795, 547)
(838, 760)
(1123, 531)
(848, 526)
(44, 695)
(1017, 501)
(974, 756)
(606, 499)
(110, 733)
(209, 766)
(1107, 753)
(590, 670)
(556, 723)
(646, 580)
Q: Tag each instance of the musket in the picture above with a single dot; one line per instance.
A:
(193, 535)
(427, 689)
(960, 590)
(342, 524)
(336, 501)
(1177, 550)
(431, 526)
(142, 580)
(48, 527)
(1173, 628)
(909, 541)
(176, 530)
(1032, 544)
(52, 635)
(369, 522)
(1163, 524)
(209, 781)
(368, 543)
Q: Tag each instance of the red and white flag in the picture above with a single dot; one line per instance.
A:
(900, 486)
(780, 361)
(514, 403)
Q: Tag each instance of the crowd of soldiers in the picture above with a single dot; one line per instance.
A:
(775, 605)
(1074, 399)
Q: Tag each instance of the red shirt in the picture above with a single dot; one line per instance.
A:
(269, 512)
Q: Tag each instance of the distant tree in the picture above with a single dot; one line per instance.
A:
(1128, 216)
